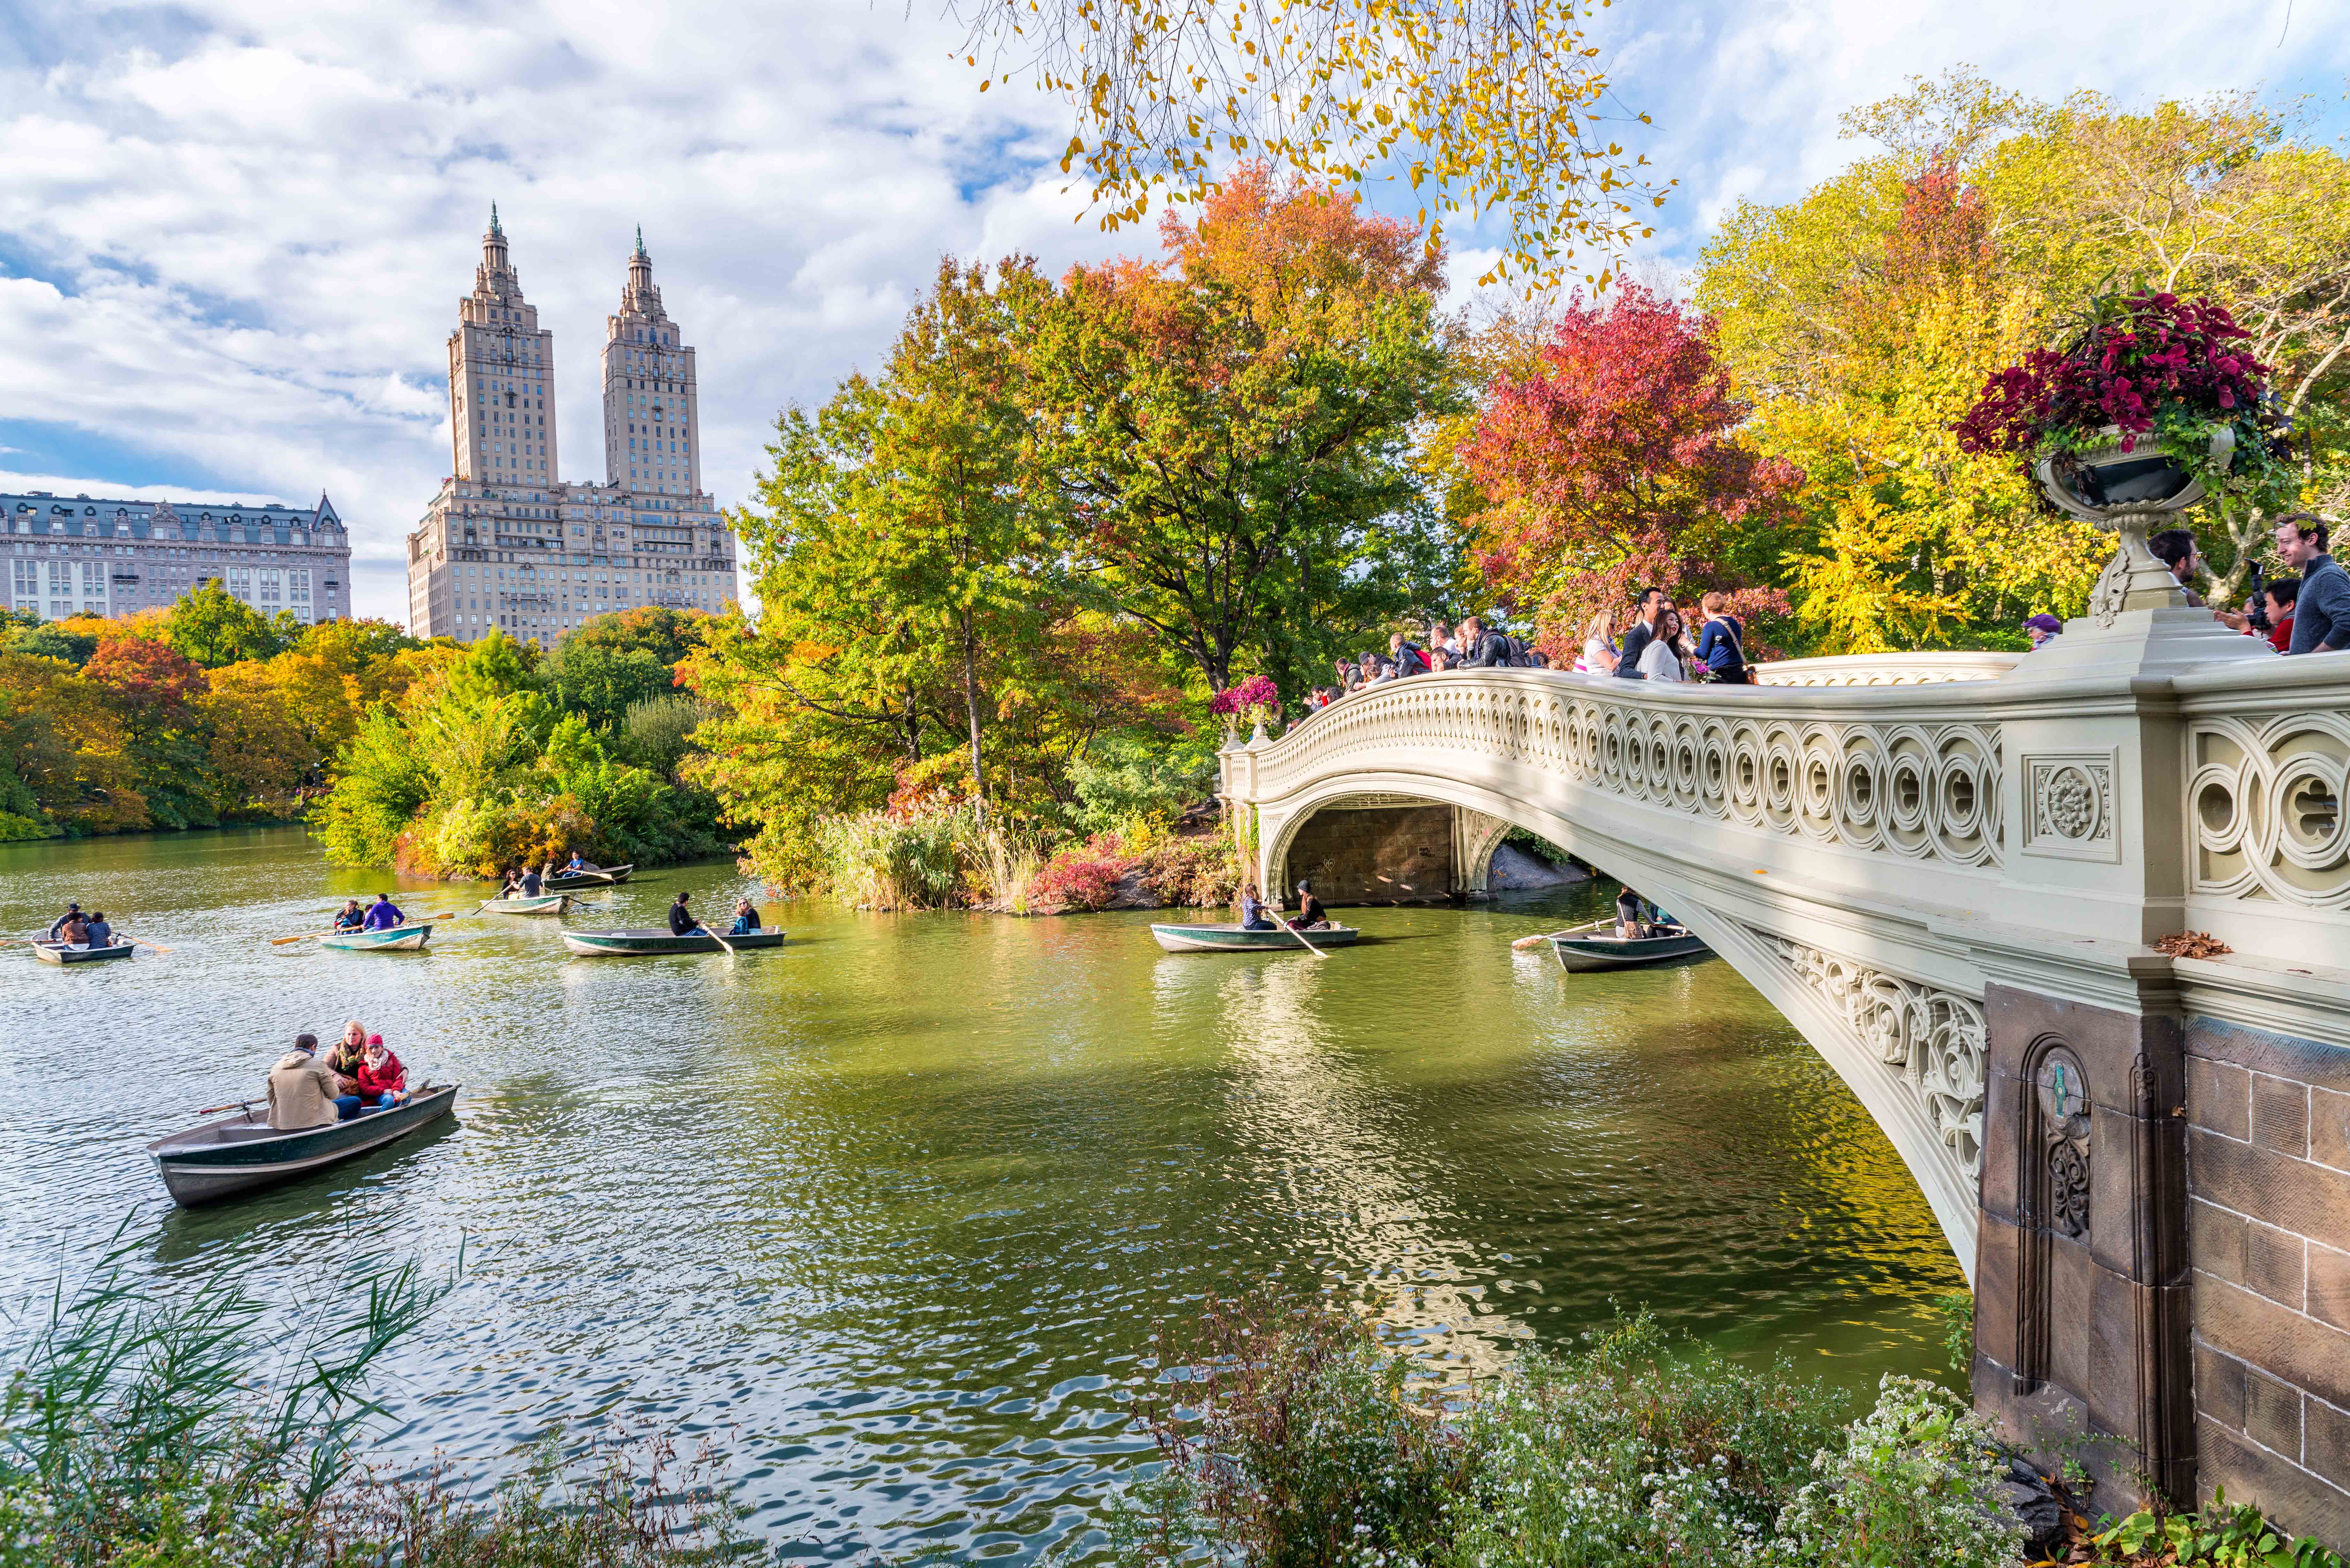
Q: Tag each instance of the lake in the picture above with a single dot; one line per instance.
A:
(890, 1212)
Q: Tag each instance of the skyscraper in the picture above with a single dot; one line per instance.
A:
(508, 542)
(501, 376)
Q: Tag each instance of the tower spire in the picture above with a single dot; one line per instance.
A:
(493, 220)
(641, 239)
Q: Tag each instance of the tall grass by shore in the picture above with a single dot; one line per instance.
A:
(218, 1431)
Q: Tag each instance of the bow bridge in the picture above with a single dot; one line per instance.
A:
(1950, 872)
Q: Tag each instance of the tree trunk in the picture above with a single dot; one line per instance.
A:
(971, 711)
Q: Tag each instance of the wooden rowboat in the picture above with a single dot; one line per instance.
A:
(545, 904)
(1596, 946)
(1236, 939)
(603, 876)
(659, 939)
(237, 1154)
(59, 952)
(391, 940)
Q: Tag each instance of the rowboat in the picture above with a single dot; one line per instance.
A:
(545, 904)
(390, 940)
(1238, 939)
(659, 939)
(60, 952)
(1596, 946)
(603, 876)
(237, 1153)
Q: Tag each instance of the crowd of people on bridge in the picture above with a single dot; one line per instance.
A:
(1663, 640)
(1657, 645)
(2308, 612)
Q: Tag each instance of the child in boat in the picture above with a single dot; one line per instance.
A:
(746, 918)
(352, 916)
(383, 1082)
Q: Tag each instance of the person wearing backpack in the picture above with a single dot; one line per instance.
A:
(1721, 645)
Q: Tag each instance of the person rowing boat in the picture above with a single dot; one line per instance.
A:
(1311, 915)
(383, 914)
(58, 926)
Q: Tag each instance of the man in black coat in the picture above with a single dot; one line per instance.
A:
(1653, 605)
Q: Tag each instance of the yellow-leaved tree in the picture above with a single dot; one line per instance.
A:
(1480, 106)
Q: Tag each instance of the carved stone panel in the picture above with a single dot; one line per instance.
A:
(2069, 805)
(2062, 1087)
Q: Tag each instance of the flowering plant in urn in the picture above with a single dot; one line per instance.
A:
(1254, 700)
(2153, 404)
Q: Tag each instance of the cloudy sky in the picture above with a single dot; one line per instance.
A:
(233, 232)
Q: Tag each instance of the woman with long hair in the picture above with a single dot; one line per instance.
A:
(1662, 659)
(1599, 651)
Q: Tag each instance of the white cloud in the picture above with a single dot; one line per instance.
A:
(233, 232)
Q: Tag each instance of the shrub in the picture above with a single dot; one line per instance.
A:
(1908, 1486)
(1192, 873)
(1123, 784)
(1082, 876)
(879, 861)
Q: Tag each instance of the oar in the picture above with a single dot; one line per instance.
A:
(715, 936)
(143, 942)
(1310, 947)
(233, 1105)
(1524, 942)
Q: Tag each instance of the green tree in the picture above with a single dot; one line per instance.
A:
(55, 639)
(213, 626)
(1232, 427)
(616, 660)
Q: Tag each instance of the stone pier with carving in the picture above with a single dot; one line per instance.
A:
(1950, 872)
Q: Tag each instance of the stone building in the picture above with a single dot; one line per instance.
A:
(508, 542)
(84, 556)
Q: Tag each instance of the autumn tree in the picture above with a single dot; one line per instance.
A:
(1231, 429)
(213, 626)
(156, 689)
(1615, 463)
(67, 757)
(1478, 106)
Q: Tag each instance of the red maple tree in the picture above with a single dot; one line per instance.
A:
(1616, 465)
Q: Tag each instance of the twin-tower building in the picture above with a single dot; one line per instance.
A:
(508, 542)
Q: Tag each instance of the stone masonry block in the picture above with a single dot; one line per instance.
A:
(2291, 1194)
(2273, 1339)
(2279, 1055)
(2325, 1441)
(2003, 1097)
(2219, 1097)
(1999, 1248)
(2273, 1264)
(2329, 1127)
(2072, 1313)
(2273, 1413)
(2219, 1385)
(2293, 1498)
(2329, 1286)
(2217, 1238)
(2280, 1115)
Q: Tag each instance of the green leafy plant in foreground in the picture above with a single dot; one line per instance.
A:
(2219, 1535)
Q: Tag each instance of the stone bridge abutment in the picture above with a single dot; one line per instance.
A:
(1949, 872)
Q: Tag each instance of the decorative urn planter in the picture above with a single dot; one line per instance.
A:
(2128, 493)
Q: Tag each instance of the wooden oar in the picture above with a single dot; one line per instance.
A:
(143, 943)
(715, 936)
(233, 1105)
(1310, 947)
(1524, 942)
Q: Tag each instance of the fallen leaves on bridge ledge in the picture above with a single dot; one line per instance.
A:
(2193, 944)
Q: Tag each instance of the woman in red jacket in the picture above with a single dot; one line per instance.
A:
(383, 1082)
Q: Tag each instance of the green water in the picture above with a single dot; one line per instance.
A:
(890, 1211)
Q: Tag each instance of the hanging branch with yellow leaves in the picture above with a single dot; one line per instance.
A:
(1482, 106)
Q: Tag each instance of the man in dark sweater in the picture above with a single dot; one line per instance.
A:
(2321, 610)
(1653, 605)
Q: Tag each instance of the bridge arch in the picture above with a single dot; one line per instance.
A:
(1911, 1051)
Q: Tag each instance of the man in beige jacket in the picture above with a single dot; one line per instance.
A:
(302, 1089)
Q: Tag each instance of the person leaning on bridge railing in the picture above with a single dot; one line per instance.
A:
(1653, 602)
(2321, 611)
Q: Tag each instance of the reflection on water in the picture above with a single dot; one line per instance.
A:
(891, 1210)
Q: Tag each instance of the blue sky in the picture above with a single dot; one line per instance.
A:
(233, 231)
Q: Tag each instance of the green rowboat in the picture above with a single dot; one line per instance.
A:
(659, 939)
(59, 952)
(1238, 939)
(545, 904)
(391, 940)
(237, 1153)
(579, 881)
